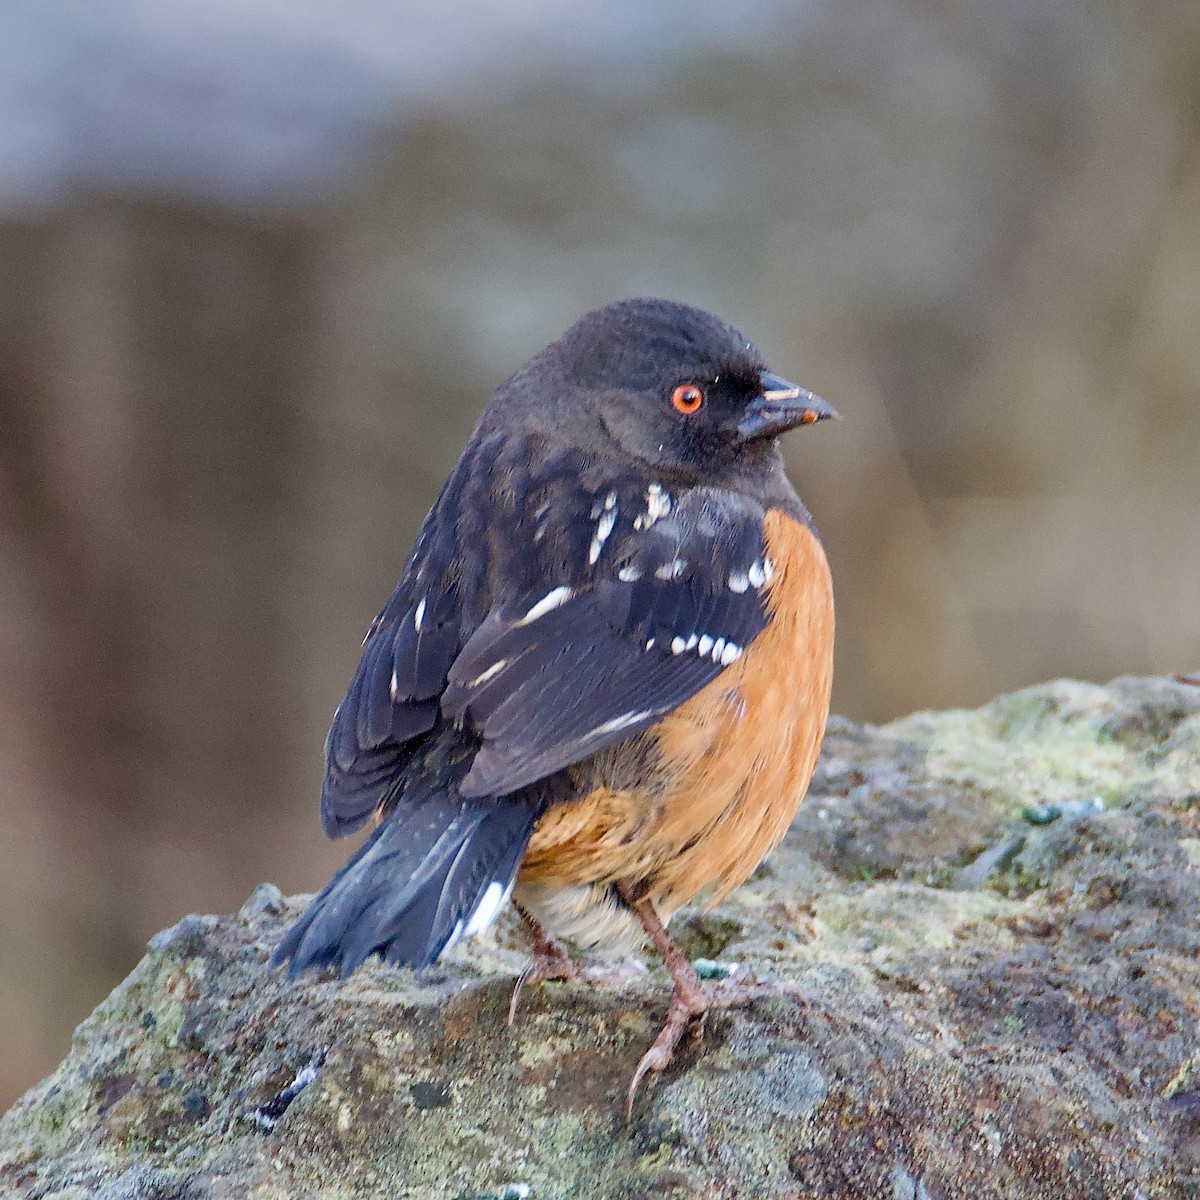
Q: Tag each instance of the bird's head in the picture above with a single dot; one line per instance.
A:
(671, 385)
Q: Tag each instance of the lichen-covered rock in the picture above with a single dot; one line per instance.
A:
(983, 932)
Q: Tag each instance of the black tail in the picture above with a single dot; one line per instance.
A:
(438, 867)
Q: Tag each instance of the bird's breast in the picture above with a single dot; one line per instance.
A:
(729, 767)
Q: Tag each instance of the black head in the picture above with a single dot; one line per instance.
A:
(670, 385)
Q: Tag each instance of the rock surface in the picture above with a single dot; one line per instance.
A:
(983, 928)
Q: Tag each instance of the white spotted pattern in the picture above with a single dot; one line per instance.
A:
(419, 615)
(757, 574)
(720, 651)
(604, 526)
(658, 502)
(553, 599)
(492, 671)
(539, 515)
(623, 721)
(739, 581)
(658, 505)
(672, 570)
(630, 574)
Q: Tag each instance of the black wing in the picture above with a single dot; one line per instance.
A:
(555, 611)
(392, 701)
(668, 595)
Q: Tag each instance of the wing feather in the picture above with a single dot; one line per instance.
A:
(584, 629)
(611, 658)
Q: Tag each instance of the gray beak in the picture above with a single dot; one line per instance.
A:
(781, 406)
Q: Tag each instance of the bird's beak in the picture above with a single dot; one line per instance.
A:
(781, 406)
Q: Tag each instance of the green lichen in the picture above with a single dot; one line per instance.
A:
(898, 917)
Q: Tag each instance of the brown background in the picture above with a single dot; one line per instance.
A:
(261, 268)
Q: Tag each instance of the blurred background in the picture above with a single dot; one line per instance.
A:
(263, 261)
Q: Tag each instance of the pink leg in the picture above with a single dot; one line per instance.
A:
(551, 960)
(689, 999)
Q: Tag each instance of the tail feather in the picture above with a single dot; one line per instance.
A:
(435, 869)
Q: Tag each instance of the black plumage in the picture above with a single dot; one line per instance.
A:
(412, 887)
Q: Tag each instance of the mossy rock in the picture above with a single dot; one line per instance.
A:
(966, 1003)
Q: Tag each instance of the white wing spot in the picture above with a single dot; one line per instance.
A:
(720, 651)
(756, 574)
(768, 570)
(630, 574)
(604, 526)
(548, 603)
(650, 644)
(452, 941)
(395, 688)
(658, 502)
(488, 908)
(623, 721)
(492, 671)
(610, 501)
(739, 581)
(672, 570)
(419, 615)
(539, 515)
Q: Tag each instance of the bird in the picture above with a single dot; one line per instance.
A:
(601, 684)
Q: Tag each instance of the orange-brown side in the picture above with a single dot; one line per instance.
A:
(733, 762)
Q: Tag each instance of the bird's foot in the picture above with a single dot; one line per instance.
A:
(691, 998)
(551, 961)
(686, 1002)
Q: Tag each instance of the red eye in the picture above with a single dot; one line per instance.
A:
(687, 399)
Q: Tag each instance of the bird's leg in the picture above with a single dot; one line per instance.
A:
(551, 960)
(689, 999)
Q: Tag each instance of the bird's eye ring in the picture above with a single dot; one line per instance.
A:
(687, 399)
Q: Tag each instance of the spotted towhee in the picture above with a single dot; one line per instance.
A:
(603, 678)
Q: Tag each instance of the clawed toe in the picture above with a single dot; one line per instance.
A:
(555, 965)
(691, 998)
(688, 1002)
(685, 1004)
